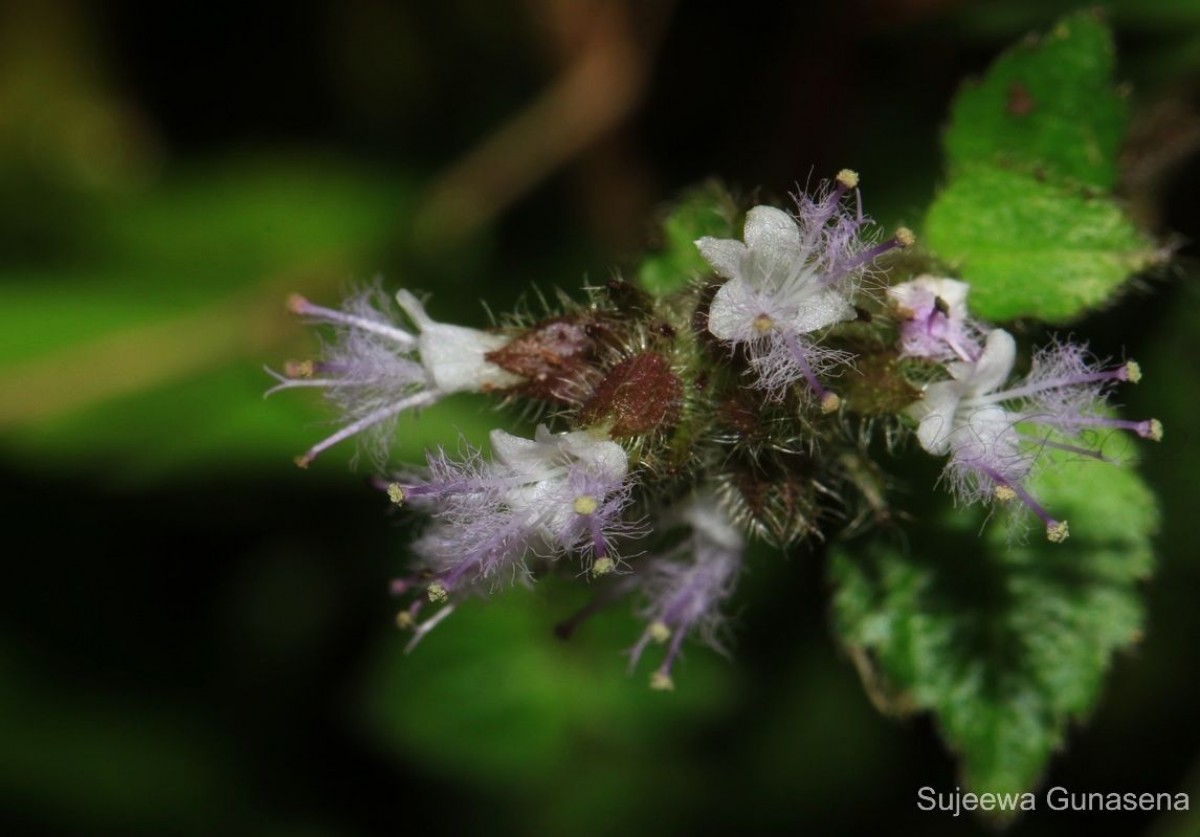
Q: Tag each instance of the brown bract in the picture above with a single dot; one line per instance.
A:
(551, 357)
(638, 395)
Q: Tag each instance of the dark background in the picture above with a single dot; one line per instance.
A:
(196, 637)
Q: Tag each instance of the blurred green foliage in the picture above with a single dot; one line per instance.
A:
(174, 308)
(197, 638)
(526, 704)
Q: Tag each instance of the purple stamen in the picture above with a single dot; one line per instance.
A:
(829, 401)
(677, 635)
(382, 414)
(1062, 382)
(302, 307)
(823, 214)
(1149, 429)
(1056, 530)
(864, 258)
(598, 545)
(1075, 449)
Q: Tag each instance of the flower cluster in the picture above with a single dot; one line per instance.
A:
(789, 279)
(995, 436)
(711, 412)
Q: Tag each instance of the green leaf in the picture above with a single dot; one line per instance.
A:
(705, 210)
(1005, 644)
(1032, 153)
(1046, 106)
(1030, 248)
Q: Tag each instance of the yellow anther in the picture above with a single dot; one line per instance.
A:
(296, 304)
(405, 621)
(659, 631)
(763, 323)
(395, 493)
(437, 592)
(585, 504)
(660, 681)
(905, 237)
(830, 403)
(299, 369)
(1057, 532)
(1155, 433)
(603, 566)
(847, 178)
(1004, 494)
(1133, 372)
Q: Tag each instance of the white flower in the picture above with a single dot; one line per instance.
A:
(555, 493)
(774, 283)
(789, 279)
(375, 368)
(966, 419)
(936, 324)
(957, 414)
(551, 474)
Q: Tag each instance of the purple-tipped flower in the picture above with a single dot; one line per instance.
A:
(375, 368)
(686, 588)
(789, 278)
(934, 318)
(994, 436)
(549, 496)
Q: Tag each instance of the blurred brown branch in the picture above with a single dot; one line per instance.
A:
(597, 90)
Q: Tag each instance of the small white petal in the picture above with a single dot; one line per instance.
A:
(995, 364)
(520, 454)
(413, 307)
(607, 456)
(935, 413)
(990, 430)
(772, 229)
(540, 466)
(951, 291)
(454, 358)
(706, 517)
(726, 255)
(731, 314)
(824, 308)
